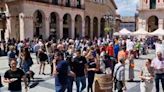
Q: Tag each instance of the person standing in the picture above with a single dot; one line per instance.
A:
(60, 72)
(92, 68)
(116, 50)
(11, 54)
(158, 65)
(49, 52)
(146, 75)
(36, 49)
(42, 58)
(110, 50)
(119, 75)
(79, 68)
(131, 67)
(122, 54)
(13, 76)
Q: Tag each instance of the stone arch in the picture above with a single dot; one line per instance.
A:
(152, 23)
(102, 27)
(95, 27)
(39, 24)
(54, 25)
(67, 20)
(87, 26)
(78, 26)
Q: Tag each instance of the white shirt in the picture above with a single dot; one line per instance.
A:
(158, 65)
(130, 45)
(120, 76)
(159, 48)
(36, 47)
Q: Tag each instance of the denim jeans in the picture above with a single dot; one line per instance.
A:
(157, 78)
(70, 84)
(60, 88)
(91, 76)
(83, 82)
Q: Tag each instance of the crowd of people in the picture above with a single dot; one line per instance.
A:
(80, 60)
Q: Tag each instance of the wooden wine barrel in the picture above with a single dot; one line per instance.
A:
(103, 83)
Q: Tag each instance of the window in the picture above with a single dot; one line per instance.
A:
(152, 4)
(78, 3)
(68, 4)
(55, 2)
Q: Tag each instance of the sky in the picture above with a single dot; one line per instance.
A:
(126, 7)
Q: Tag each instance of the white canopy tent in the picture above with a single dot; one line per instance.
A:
(140, 31)
(124, 31)
(158, 32)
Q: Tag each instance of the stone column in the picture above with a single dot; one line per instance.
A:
(144, 24)
(139, 23)
(160, 23)
(82, 3)
(47, 28)
(21, 26)
(73, 29)
(74, 3)
(8, 23)
(8, 29)
(83, 27)
(61, 28)
(99, 27)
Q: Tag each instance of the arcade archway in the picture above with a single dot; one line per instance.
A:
(54, 26)
(67, 26)
(87, 26)
(78, 26)
(39, 24)
(152, 23)
(95, 27)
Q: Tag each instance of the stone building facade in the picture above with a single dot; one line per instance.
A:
(129, 23)
(151, 14)
(56, 18)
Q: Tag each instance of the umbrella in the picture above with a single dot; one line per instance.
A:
(124, 31)
(158, 32)
(140, 32)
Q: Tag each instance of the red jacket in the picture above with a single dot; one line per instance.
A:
(110, 50)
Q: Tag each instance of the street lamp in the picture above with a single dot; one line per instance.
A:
(109, 26)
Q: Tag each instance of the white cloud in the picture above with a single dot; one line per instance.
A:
(126, 7)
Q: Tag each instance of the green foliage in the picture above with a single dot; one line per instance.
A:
(107, 29)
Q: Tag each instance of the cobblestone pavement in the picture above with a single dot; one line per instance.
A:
(45, 83)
